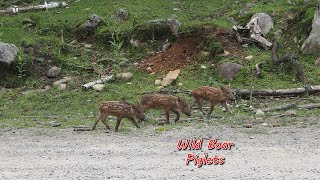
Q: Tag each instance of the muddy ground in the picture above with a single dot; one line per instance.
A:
(259, 153)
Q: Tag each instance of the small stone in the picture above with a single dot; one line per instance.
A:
(125, 76)
(247, 125)
(290, 113)
(278, 34)
(149, 69)
(176, 9)
(159, 87)
(205, 53)
(64, 80)
(53, 72)
(98, 87)
(150, 53)
(165, 47)
(62, 87)
(251, 137)
(170, 77)
(87, 45)
(157, 82)
(317, 62)
(203, 66)
(259, 113)
(121, 14)
(54, 124)
(249, 58)
(264, 124)
(225, 53)
(180, 84)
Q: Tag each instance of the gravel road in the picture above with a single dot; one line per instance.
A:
(263, 153)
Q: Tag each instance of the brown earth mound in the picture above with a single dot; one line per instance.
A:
(186, 49)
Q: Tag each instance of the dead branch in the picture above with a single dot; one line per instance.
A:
(282, 108)
(82, 128)
(291, 58)
(309, 106)
(258, 69)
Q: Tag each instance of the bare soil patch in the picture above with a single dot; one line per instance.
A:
(186, 49)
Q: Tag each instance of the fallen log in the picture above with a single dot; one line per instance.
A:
(243, 93)
(99, 81)
(50, 5)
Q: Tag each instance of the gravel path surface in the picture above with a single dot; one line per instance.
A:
(268, 153)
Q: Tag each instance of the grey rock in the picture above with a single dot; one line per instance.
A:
(89, 26)
(265, 22)
(157, 82)
(229, 70)
(317, 62)
(54, 124)
(28, 23)
(53, 72)
(62, 87)
(290, 113)
(121, 14)
(250, 5)
(8, 53)
(259, 113)
(174, 24)
(264, 124)
(312, 44)
(165, 47)
(125, 76)
(232, 20)
(278, 34)
(92, 23)
(62, 81)
(98, 87)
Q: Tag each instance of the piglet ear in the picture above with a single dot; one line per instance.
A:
(222, 88)
(179, 99)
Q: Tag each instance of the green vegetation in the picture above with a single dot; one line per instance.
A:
(53, 41)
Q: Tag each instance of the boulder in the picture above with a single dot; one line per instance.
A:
(229, 70)
(8, 53)
(265, 22)
(312, 44)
